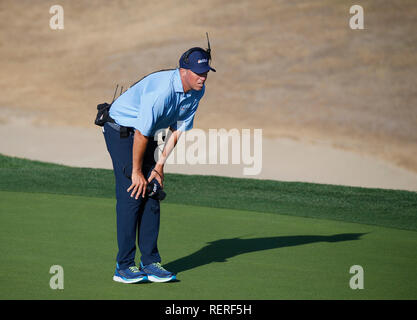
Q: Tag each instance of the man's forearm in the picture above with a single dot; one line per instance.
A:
(170, 144)
(140, 143)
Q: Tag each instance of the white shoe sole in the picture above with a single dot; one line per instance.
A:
(156, 279)
(122, 280)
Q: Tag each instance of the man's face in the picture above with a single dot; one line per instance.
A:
(195, 80)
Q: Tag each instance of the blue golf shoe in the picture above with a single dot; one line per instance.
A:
(156, 273)
(129, 275)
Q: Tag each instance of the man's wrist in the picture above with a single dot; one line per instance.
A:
(159, 167)
(137, 170)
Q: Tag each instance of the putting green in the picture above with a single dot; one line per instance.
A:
(218, 253)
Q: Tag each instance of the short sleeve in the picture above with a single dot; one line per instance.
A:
(147, 116)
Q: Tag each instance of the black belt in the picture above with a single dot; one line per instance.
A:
(124, 131)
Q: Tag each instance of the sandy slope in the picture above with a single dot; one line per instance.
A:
(282, 158)
(293, 68)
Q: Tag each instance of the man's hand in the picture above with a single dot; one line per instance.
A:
(139, 183)
(170, 143)
(138, 186)
(158, 174)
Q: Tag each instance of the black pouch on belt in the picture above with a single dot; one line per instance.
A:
(103, 115)
(125, 132)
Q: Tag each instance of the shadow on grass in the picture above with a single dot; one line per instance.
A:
(221, 250)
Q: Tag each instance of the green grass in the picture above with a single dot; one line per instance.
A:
(227, 238)
(389, 208)
(219, 253)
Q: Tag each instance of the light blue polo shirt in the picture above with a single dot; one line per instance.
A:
(157, 102)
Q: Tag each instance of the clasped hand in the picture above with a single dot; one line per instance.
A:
(139, 182)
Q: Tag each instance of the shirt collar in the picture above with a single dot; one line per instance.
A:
(178, 84)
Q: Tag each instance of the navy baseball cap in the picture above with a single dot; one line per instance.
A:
(197, 60)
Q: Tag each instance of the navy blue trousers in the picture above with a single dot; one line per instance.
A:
(135, 218)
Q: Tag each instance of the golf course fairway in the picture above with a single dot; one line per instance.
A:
(218, 253)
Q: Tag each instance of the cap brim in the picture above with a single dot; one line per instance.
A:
(202, 69)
